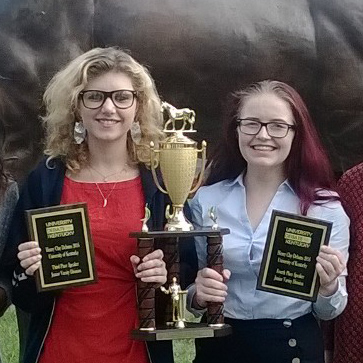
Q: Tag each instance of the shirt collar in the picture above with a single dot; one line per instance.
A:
(239, 181)
(287, 183)
(233, 182)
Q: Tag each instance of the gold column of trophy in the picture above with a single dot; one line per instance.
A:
(177, 156)
(178, 298)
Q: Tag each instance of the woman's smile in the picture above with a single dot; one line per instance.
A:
(107, 122)
(263, 147)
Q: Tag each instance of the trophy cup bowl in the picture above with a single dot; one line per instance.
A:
(177, 157)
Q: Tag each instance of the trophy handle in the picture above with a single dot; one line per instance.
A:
(167, 212)
(201, 174)
(154, 164)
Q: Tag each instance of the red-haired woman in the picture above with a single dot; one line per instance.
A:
(270, 158)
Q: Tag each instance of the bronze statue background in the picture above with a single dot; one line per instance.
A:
(197, 51)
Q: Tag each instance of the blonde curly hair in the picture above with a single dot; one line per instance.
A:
(61, 100)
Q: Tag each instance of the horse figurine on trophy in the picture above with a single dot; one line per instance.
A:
(186, 115)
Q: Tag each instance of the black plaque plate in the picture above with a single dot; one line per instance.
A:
(64, 236)
(289, 259)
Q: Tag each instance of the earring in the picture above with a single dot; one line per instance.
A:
(135, 132)
(79, 132)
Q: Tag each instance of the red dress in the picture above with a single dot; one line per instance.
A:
(348, 327)
(92, 323)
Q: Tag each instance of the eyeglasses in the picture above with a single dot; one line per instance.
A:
(274, 129)
(122, 98)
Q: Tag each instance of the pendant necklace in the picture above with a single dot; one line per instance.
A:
(105, 198)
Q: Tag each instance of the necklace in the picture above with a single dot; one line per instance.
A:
(107, 176)
(105, 198)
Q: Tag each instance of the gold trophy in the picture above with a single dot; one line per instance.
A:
(177, 157)
(178, 298)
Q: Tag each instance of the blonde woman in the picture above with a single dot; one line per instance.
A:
(102, 112)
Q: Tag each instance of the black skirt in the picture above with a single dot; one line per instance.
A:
(265, 341)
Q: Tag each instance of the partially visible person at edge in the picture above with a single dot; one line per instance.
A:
(102, 111)
(269, 158)
(8, 198)
(347, 336)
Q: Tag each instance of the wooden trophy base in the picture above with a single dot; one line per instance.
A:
(191, 331)
(149, 328)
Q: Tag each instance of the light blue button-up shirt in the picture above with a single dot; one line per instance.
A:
(243, 250)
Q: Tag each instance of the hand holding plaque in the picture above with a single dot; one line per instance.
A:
(330, 265)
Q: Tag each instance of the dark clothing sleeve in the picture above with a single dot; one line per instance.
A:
(7, 206)
(35, 193)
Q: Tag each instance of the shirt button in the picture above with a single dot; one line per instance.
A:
(287, 323)
(296, 360)
(292, 343)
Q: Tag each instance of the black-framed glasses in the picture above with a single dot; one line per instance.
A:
(122, 98)
(274, 128)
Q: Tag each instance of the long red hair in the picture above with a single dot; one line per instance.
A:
(308, 168)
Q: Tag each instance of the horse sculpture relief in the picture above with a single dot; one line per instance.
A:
(184, 115)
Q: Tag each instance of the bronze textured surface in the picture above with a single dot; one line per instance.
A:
(197, 51)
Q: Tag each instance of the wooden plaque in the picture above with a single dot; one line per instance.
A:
(289, 259)
(63, 234)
